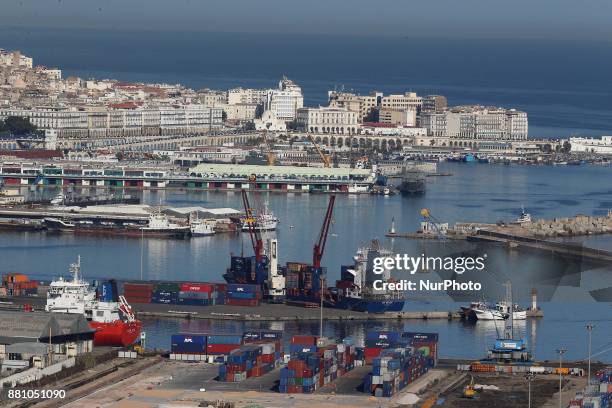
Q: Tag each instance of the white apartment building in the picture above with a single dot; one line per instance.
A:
(592, 145)
(285, 101)
(327, 120)
(237, 96)
(477, 122)
(102, 121)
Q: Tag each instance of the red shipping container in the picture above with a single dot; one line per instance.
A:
(304, 340)
(197, 287)
(221, 348)
(242, 302)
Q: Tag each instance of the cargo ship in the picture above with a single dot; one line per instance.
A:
(158, 226)
(413, 183)
(355, 289)
(109, 315)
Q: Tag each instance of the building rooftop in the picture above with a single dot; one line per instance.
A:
(20, 327)
(247, 170)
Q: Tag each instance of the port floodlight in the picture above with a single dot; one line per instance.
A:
(425, 212)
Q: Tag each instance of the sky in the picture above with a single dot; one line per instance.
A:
(538, 19)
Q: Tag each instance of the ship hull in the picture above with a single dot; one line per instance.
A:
(116, 334)
(369, 306)
(116, 231)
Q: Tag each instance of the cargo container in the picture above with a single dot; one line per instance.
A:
(250, 360)
(188, 343)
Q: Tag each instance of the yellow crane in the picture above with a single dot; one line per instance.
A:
(271, 157)
(326, 159)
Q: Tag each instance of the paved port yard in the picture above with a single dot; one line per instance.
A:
(171, 383)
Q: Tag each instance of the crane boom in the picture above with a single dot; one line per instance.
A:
(324, 157)
(254, 233)
(319, 247)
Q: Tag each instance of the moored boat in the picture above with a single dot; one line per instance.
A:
(110, 315)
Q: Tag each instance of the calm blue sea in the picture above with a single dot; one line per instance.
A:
(565, 86)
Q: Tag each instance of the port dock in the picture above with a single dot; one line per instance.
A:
(263, 313)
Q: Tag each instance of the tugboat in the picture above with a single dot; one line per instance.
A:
(110, 316)
(266, 221)
(200, 228)
(499, 311)
(354, 291)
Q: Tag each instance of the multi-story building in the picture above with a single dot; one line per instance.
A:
(592, 145)
(364, 105)
(285, 101)
(397, 117)
(209, 97)
(241, 95)
(15, 59)
(476, 123)
(94, 122)
(327, 120)
(239, 112)
(407, 101)
(434, 103)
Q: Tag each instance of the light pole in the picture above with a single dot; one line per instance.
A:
(561, 351)
(529, 377)
(589, 328)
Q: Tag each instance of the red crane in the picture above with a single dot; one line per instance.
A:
(254, 233)
(319, 247)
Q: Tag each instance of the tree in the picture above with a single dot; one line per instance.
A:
(546, 148)
(567, 147)
(224, 116)
(17, 126)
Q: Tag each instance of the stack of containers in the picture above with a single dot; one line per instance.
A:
(315, 364)
(240, 294)
(250, 360)
(166, 293)
(598, 394)
(18, 284)
(426, 344)
(138, 292)
(377, 341)
(196, 294)
(222, 344)
(393, 370)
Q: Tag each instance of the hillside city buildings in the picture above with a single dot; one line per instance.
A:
(73, 108)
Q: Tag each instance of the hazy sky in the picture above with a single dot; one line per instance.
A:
(567, 19)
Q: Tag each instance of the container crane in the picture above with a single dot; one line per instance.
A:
(319, 247)
(254, 233)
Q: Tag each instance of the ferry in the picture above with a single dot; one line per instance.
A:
(111, 316)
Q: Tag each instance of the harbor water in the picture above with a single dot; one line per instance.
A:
(475, 192)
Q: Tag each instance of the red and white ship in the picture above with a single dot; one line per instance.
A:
(112, 319)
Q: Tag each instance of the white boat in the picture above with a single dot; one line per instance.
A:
(265, 221)
(500, 311)
(524, 218)
(201, 228)
(159, 222)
